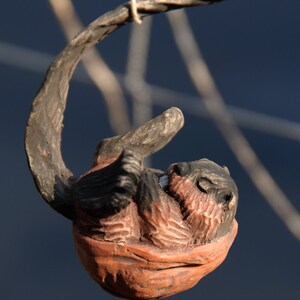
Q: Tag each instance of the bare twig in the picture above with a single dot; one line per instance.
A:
(36, 61)
(216, 107)
(97, 69)
(136, 72)
(134, 12)
(243, 117)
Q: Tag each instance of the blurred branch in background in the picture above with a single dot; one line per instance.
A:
(97, 69)
(37, 61)
(135, 80)
(216, 107)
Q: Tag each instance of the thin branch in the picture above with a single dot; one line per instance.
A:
(215, 105)
(134, 12)
(136, 72)
(97, 69)
(135, 75)
(243, 117)
(37, 61)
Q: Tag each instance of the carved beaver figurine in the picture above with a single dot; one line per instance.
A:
(140, 233)
(143, 233)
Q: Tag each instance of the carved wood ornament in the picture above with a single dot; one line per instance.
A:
(140, 233)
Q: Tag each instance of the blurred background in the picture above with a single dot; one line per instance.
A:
(253, 51)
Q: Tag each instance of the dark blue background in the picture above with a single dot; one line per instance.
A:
(253, 50)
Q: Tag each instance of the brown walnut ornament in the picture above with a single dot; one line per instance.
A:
(140, 233)
(143, 233)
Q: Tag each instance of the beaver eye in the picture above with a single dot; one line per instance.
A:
(204, 185)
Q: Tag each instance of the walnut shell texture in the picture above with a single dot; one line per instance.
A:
(141, 271)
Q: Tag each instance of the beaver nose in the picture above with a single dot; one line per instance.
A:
(182, 168)
(221, 194)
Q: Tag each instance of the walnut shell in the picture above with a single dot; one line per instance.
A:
(140, 239)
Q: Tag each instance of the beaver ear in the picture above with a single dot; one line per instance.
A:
(145, 139)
